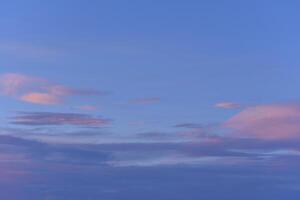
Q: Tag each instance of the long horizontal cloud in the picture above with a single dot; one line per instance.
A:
(227, 151)
(48, 118)
(60, 171)
(38, 90)
(267, 122)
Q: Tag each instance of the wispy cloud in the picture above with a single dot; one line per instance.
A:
(178, 159)
(41, 98)
(12, 84)
(277, 152)
(50, 119)
(38, 90)
(227, 105)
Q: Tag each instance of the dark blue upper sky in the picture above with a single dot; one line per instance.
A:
(154, 99)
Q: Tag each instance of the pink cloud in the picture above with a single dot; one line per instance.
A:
(227, 105)
(41, 98)
(12, 84)
(267, 122)
(38, 90)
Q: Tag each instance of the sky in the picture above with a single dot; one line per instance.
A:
(154, 99)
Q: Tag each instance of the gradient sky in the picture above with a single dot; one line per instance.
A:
(154, 99)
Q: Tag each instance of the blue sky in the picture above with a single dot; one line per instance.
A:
(115, 99)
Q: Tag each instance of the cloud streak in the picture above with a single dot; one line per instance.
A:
(58, 119)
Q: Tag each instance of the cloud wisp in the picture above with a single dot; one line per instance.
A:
(227, 105)
(58, 119)
(38, 90)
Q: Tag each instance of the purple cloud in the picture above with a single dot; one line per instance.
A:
(48, 118)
